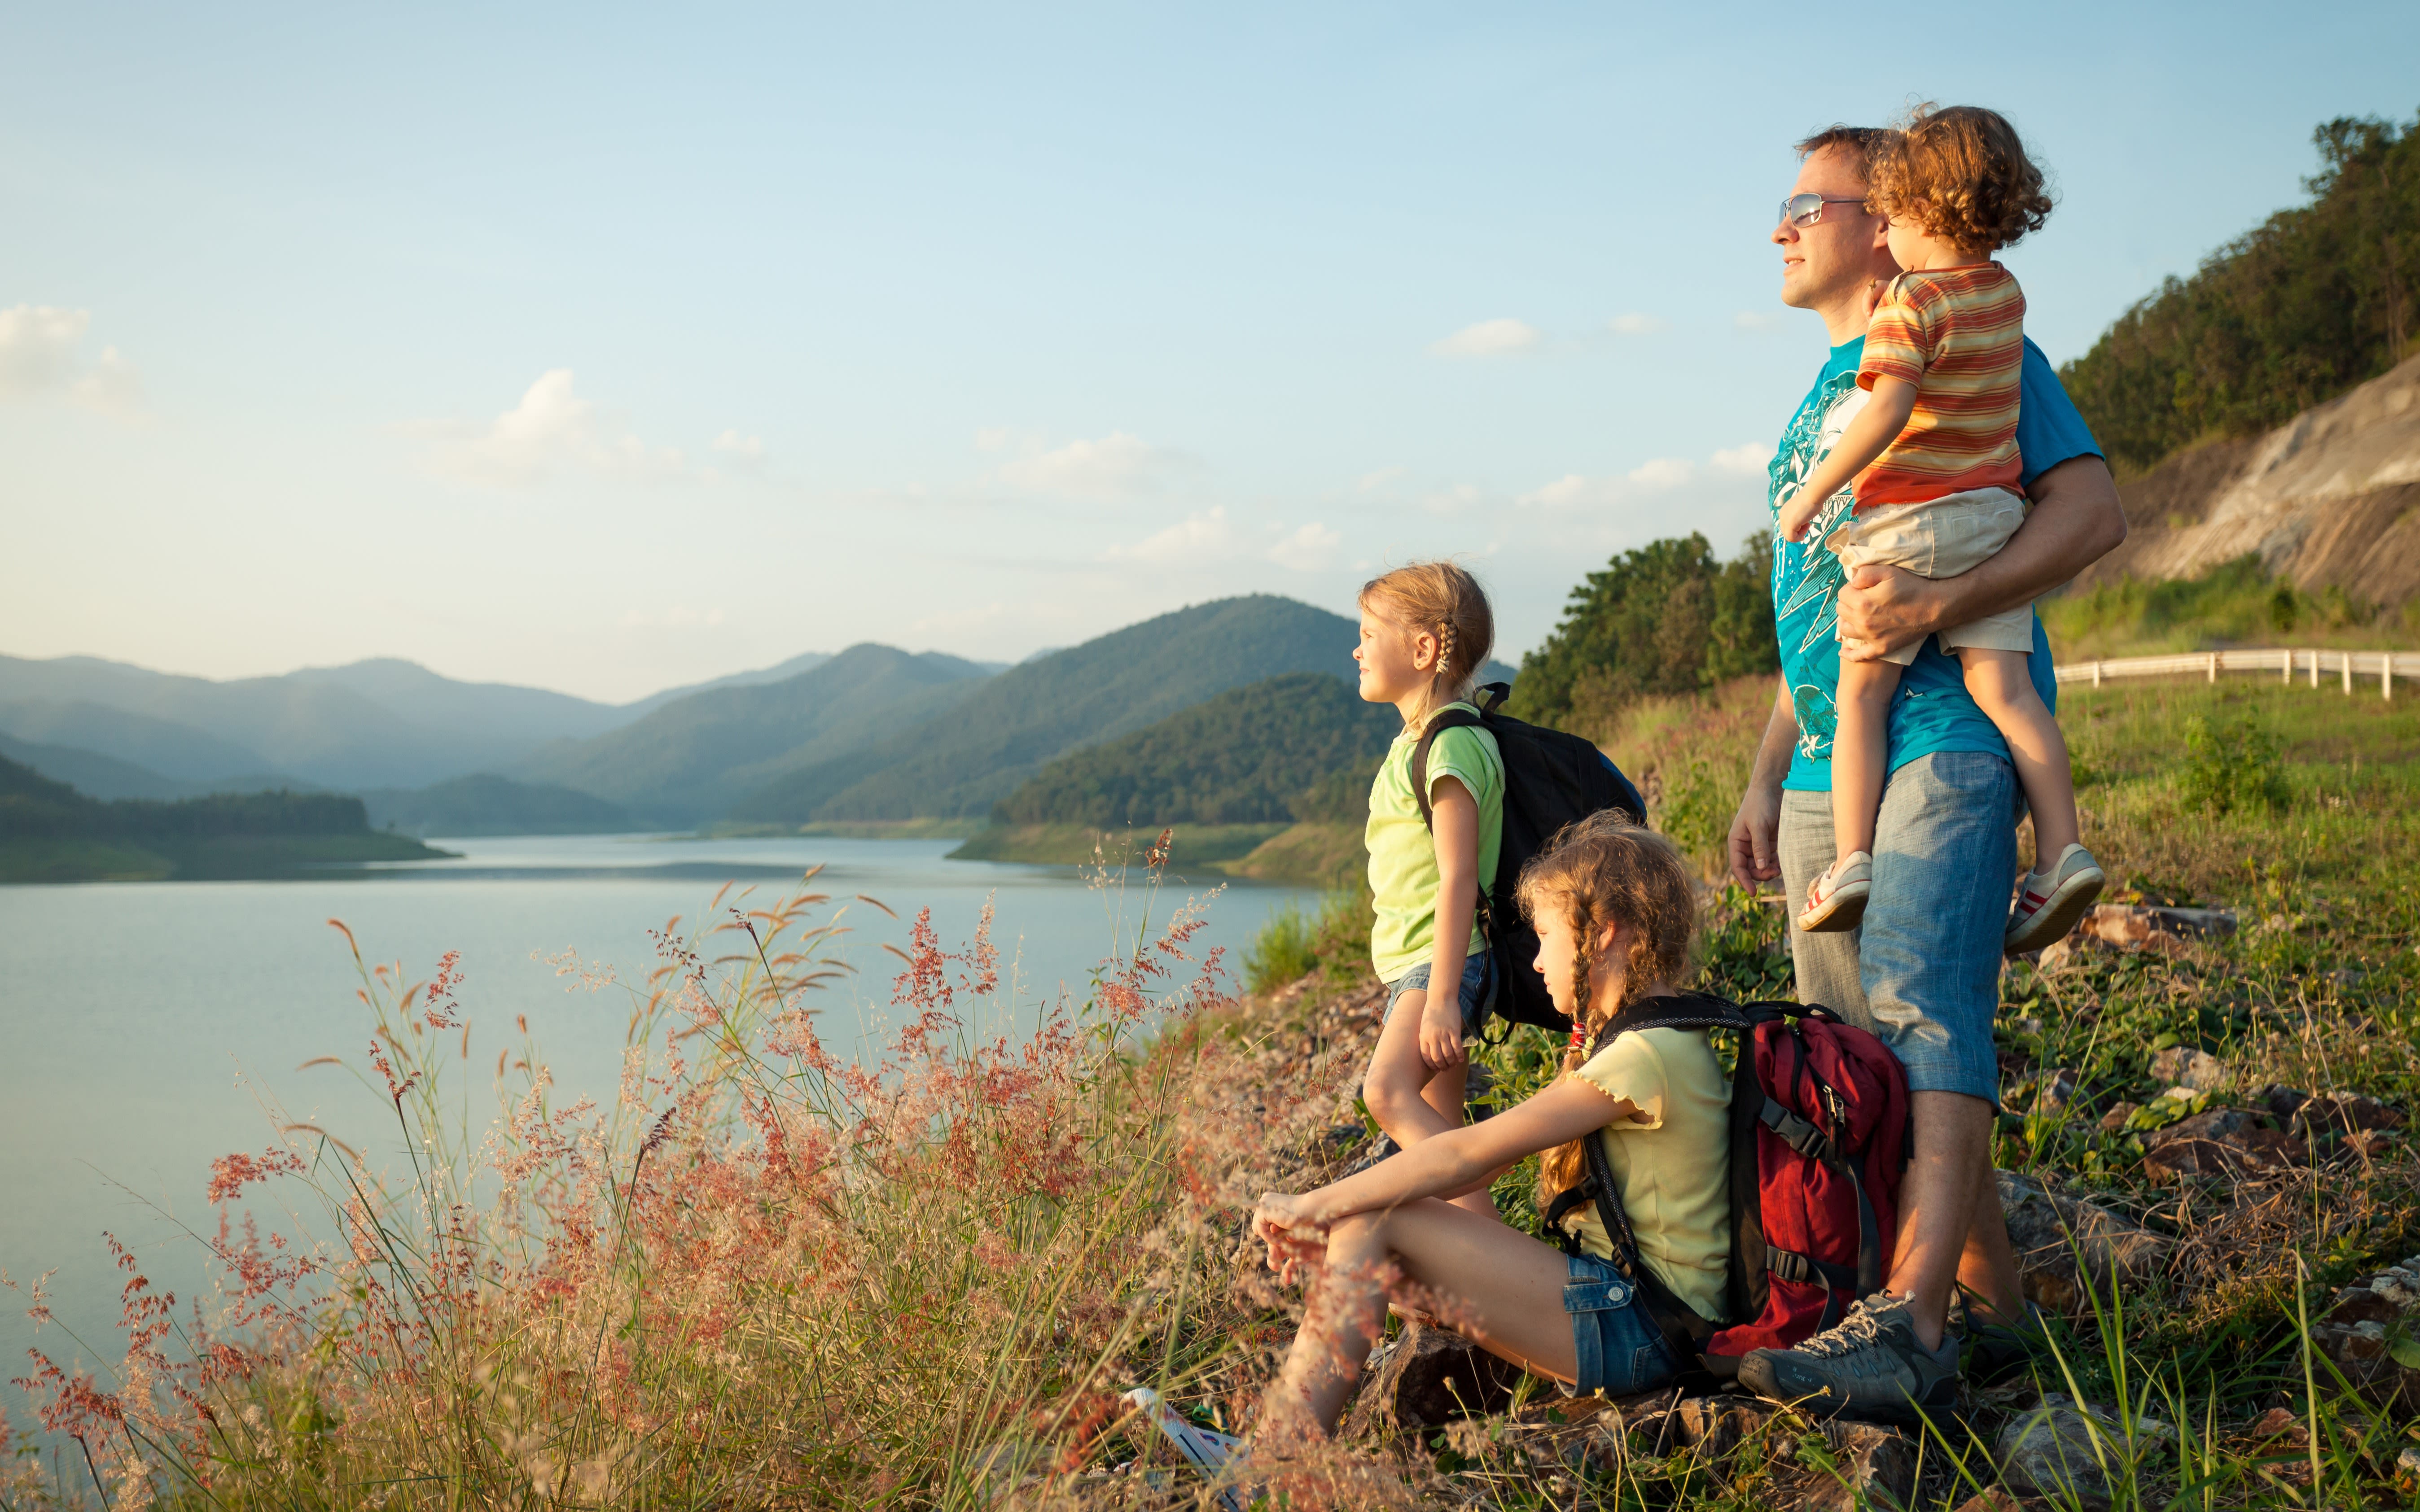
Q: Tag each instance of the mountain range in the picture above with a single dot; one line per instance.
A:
(872, 733)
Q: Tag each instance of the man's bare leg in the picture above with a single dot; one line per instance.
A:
(1950, 1226)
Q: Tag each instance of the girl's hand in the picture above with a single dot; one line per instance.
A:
(1293, 1236)
(1441, 1031)
(1797, 513)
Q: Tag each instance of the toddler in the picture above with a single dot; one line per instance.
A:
(1934, 458)
(1426, 629)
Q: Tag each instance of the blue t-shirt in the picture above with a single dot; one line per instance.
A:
(1931, 711)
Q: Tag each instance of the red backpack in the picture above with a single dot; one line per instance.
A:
(1819, 1123)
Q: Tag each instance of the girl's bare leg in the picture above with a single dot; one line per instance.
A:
(2003, 690)
(1503, 1289)
(1409, 1100)
(1860, 746)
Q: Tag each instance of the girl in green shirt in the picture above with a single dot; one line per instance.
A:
(1426, 629)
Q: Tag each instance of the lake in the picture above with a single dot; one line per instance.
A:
(149, 1026)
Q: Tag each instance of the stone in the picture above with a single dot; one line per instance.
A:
(2114, 1121)
(2040, 1222)
(2277, 1423)
(1714, 1425)
(2370, 1144)
(2178, 1158)
(1432, 1376)
(2216, 1124)
(1872, 1466)
(2371, 1331)
(2058, 1450)
(2407, 1469)
(2056, 1089)
(2181, 1066)
(2283, 1102)
(2346, 1113)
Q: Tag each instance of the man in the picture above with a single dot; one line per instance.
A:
(1923, 969)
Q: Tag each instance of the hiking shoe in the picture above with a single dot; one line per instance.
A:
(1868, 1365)
(2052, 901)
(1836, 899)
(1995, 1351)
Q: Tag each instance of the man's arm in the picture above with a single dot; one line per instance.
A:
(2075, 521)
(1756, 828)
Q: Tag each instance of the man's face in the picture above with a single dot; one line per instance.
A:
(1839, 253)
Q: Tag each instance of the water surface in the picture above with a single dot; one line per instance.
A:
(151, 1027)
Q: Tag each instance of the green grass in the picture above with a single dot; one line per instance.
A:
(2235, 604)
(219, 857)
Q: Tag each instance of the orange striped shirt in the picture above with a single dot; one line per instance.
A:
(1958, 334)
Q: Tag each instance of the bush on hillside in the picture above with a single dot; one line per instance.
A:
(2235, 603)
(2316, 300)
(1665, 619)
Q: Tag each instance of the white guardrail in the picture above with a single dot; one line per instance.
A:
(2344, 666)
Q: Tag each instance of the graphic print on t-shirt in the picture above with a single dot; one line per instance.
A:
(1806, 578)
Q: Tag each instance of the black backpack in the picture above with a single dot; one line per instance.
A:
(1550, 779)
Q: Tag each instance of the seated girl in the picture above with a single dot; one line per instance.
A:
(1614, 909)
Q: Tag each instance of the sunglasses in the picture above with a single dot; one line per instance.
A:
(1803, 211)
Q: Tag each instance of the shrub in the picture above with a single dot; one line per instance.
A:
(1283, 951)
(2231, 768)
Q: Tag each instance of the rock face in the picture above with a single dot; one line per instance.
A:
(2325, 500)
(2372, 1332)
(2040, 1222)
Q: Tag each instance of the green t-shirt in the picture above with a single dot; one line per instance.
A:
(1402, 857)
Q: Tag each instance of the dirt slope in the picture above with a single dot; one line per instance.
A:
(2330, 498)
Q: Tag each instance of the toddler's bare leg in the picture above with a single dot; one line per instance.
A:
(1860, 744)
(2005, 692)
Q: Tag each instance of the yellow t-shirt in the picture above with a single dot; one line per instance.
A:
(1403, 855)
(1671, 1161)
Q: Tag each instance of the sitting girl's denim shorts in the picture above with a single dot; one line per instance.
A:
(1619, 1348)
(1475, 994)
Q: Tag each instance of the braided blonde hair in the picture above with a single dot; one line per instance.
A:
(1598, 870)
(1446, 601)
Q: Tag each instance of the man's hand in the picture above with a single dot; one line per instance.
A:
(1884, 607)
(1756, 831)
(1441, 1031)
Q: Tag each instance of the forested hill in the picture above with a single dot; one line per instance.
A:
(961, 762)
(2314, 300)
(1244, 757)
(51, 832)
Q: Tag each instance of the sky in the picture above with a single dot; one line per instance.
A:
(604, 350)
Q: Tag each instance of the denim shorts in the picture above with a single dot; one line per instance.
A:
(1621, 1350)
(1474, 991)
(1923, 969)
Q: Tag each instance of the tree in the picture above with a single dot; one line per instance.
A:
(1666, 618)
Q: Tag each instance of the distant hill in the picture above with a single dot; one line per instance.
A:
(163, 746)
(781, 672)
(689, 760)
(1244, 757)
(960, 762)
(485, 804)
(97, 776)
(374, 724)
(49, 832)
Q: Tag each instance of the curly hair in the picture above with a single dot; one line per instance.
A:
(1598, 870)
(1445, 600)
(1962, 174)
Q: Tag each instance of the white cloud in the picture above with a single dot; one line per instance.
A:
(1117, 466)
(1635, 324)
(1370, 482)
(1758, 320)
(1308, 548)
(1195, 536)
(1655, 476)
(993, 437)
(1490, 338)
(553, 428)
(38, 359)
(740, 448)
(1747, 460)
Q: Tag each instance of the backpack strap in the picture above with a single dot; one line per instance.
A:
(1449, 720)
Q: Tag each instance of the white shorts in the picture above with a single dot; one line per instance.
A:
(1941, 538)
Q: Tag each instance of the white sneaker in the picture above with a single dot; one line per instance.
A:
(1206, 1449)
(2052, 901)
